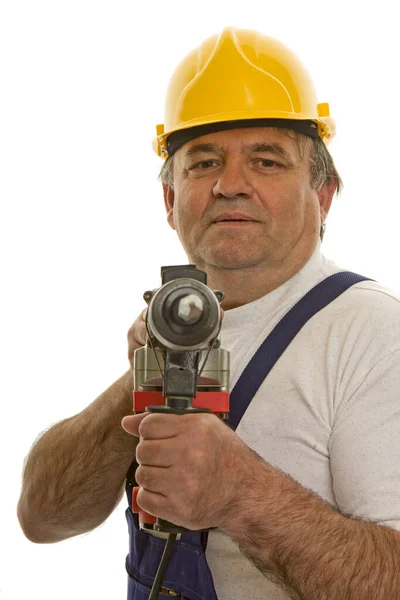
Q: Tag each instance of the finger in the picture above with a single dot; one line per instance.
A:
(137, 335)
(152, 479)
(151, 502)
(141, 335)
(142, 328)
(131, 423)
(158, 453)
(159, 426)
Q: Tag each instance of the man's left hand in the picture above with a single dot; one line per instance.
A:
(192, 469)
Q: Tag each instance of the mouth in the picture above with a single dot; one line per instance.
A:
(234, 222)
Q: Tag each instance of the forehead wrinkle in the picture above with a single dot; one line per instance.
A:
(274, 148)
(263, 146)
(198, 148)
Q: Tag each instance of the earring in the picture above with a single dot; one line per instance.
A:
(322, 231)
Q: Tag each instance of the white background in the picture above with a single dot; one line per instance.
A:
(83, 232)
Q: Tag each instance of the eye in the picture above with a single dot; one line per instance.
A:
(204, 164)
(266, 162)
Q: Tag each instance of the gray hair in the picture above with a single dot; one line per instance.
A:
(322, 167)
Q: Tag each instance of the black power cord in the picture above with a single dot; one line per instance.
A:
(169, 546)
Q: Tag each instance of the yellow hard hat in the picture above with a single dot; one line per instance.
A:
(240, 78)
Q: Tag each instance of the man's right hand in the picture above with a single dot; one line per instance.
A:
(137, 335)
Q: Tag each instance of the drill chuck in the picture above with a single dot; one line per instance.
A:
(184, 314)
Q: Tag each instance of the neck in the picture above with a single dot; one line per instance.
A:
(242, 286)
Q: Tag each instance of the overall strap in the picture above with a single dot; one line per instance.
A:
(281, 336)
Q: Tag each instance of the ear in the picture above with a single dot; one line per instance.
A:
(325, 197)
(169, 197)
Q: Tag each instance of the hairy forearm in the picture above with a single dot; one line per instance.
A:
(74, 473)
(312, 551)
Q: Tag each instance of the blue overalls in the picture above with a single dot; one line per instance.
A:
(188, 575)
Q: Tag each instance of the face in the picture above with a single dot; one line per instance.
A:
(259, 173)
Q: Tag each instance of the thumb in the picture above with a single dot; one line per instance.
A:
(131, 423)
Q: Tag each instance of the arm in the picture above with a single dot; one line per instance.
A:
(73, 475)
(315, 553)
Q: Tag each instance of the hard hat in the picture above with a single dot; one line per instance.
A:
(240, 78)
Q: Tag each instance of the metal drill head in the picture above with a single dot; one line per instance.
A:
(190, 307)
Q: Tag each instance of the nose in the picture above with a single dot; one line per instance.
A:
(232, 181)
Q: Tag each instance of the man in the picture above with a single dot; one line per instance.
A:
(305, 493)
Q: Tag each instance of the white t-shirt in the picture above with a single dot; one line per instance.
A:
(328, 413)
